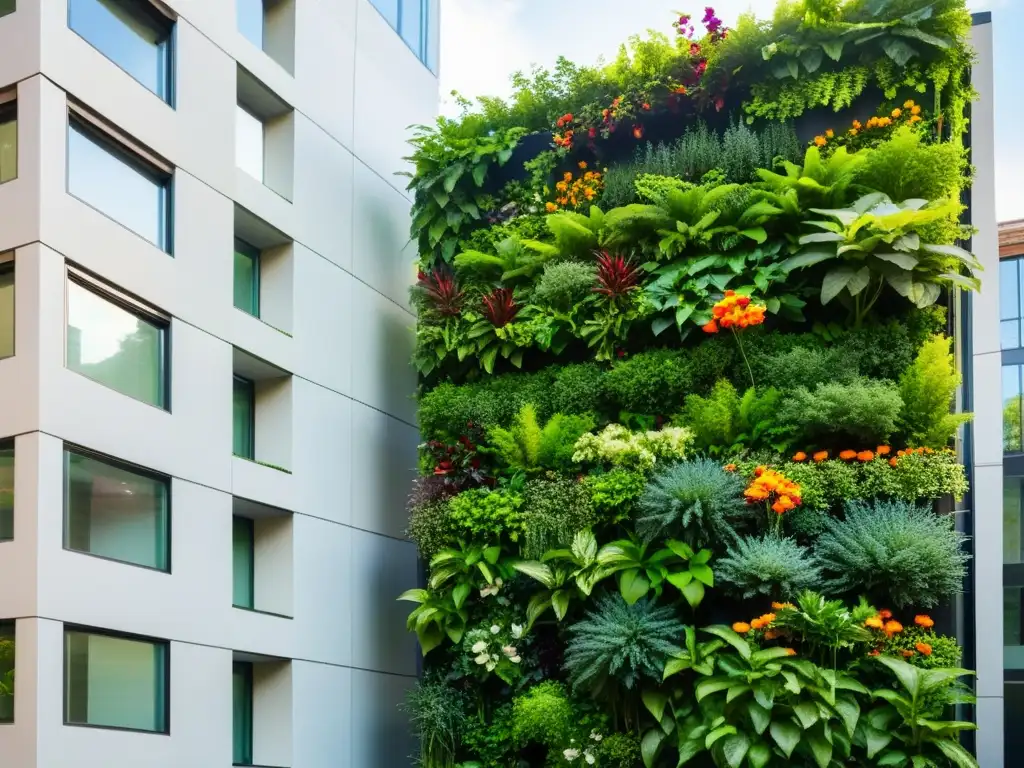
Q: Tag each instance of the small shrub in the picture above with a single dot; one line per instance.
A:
(696, 500)
(723, 420)
(894, 548)
(563, 284)
(652, 188)
(575, 389)
(528, 447)
(542, 715)
(804, 523)
(431, 527)
(616, 491)
(919, 476)
(928, 387)
(811, 366)
(620, 644)
(437, 714)
(945, 651)
(652, 383)
(745, 150)
(446, 410)
(778, 568)
(617, 446)
(860, 413)
(486, 515)
(824, 485)
(554, 510)
(906, 167)
(620, 750)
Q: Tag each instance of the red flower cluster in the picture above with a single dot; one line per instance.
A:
(564, 140)
(615, 276)
(735, 311)
(500, 307)
(441, 291)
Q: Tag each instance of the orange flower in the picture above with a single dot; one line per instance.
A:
(848, 455)
(925, 621)
(924, 649)
(799, 456)
(892, 627)
(780, 606)
(897, 112)
(865, 456)
(915, 118)
(638, 132)
(894, 462)
(820, 141)
(567, 176)
(830, 134)
(820, 456)
(875, 622)
(915, 110)
(853, 131)
(711, 327)
(909, 104)
(550, 207)
(873, 653)
(646, 105)
(680, 90)
(790, 652)
(772, 634)
(756, 623)
(883, 450)
(741, 627)
(857, 125)
(583, 165)
(885, 613)
(729, 467)
(907, 654)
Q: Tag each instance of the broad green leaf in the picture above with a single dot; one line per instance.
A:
(764, 693)
(822, 237)
(711, 685)
(701, 557)
(655, 702)
(560, 602)
(786, 734)
(821, 748)
(834, 49)
(703, 574)
(650, 746)
(451, 178)
(680, 580)
(956, 754)
(676, 665)
(633, 585)
(835, 281)
(758, 755)
(733, 639)
(660, 324)
(538, 604)
(898, 50)
(538, 571)
(860, 280)
(849, 711)
(807, 258)
(734, 749)
(760, 717)
(875, 739)
(430, 637)
(718, 733)
(757, 658)
(492, 555)
(893, 758)
(414, 596)
(479, 174)
(694, 593)
(460, 593)
(807, 713)
(924, 37)
(689, 749)
(811, 59)
(757, 234)
(903, 260)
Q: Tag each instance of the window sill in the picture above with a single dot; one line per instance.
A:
(263, 613)
(263, 464)
(257, 317)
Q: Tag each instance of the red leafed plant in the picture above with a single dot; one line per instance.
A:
(441, 291)
(500, 307)
(615, 276)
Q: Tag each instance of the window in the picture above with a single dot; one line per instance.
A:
(6, 304)
(415, 21)
(6, 671)
(115, 512)
(112, 681)
(243, 561)
(131, 33)
(249, 143)
(1010, 290)
(244, 418)
(116, 341)
(251, 21)
(1012, 411)
(241, 684)
(7, 6)
(6, 490)
(247, 277)
(8, 134)
(132, 189)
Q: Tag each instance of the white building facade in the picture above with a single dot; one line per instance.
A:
(207, 431)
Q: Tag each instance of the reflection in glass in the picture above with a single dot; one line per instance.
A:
(243, 562)
(412, 25)
(388, 9)
(1013, 648)
(6, 309)
(241, 683)
(114, 512)
(8, 141)
(249, 143)
(6, 491)
(247, 278)
(115, 347)
(119, 185)
(1013, 546)
(250, 20)
(134, 37)
(243, 414)
(1010, 289)
(115, 682)
(6, 671)
(1012, 411)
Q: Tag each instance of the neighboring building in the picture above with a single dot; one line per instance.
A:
(207, 426)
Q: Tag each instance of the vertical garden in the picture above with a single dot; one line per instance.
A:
(687, 400)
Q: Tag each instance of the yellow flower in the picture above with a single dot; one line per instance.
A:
(897, 112)
(830, 133)
(821, 141)
(909, 104)
(915, 110)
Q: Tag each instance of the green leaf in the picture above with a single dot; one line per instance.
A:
(660, 324)
(786, 734)
(703, 574)
(451, 178)
(811, 59)
(924, 37)
(711, 685)
(479, 173)
(892, 758)
(655, 702)
(633, 585)
(688, 750)
(849, 711)
(650, 746)
(488, 357)
(430, 637)
(760, 717)
(694, 593)
(718, 733)
(821, 748)
(538, 604)
(764, 693)
(807, 258)
(903, 260)
(560, 602)
(414, 596)
(460, 593)
(807, 713)
(897, 50)
(834, 49)
(875, 739)
(733, 639)
(834, 283)
(538, 571)
(758, 755)
(437, 229)
(757, 234)
(734, 749)
(860, 280)
(957, 755)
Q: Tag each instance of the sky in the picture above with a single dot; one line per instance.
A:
(485, 41)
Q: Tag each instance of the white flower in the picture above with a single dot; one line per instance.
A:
(498, 582)
(515, 659)
(596, 736)
(479, 647)
(489, 590)
(495, 629)
(571, 754)
(483, 658)
(490, 666)
(517, 631)
(495, 657)
(509, 650)
(589, 758)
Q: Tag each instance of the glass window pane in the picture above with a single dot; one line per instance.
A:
(1009, 334)
(6, 671)
(243, 562)
(6, 492)
(7, 309)
(134, 39)
(244, 418)
(433, 36)
(115, 347)
(1008, 292)
(8, 142)
(412, 25)
(7, 6)
(1012, 546)
(1011, 409)
(388, 9)
(247, 278)
(249, 143)
(250, 20)
(115, 682)
(241, 679)
(1013, 649)
(116, 513)
(112, 182)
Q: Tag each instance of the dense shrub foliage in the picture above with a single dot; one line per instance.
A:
(689, 448)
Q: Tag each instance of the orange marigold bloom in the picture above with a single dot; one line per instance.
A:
(875, 622)
(915, 110)
(853, 131)
(915, 118)
(550, 207)
(907, 654)
(893, 627)
(830, 134)
(883, 450)
(772, 634)
(925, 621)
(848, 455)
(741, 627)
(756, 623)
(820, 456)
(894, 462)
(897, 112)
(583, 165)
(729, 467)
(638, 132)
(924, 649)
(885, 613)
(865, 456)
(799, 456)
(711, 327)
(780, 606)
(820, 141)
(790, 652)
(909, 104)
(567, 176)
(857, 125)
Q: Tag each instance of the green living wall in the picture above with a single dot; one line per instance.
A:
(686, 400)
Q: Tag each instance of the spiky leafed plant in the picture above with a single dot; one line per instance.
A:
(616, 276)
(499, 307)
(441, 292)
(770, 566)
(621, 644)
(696, 501)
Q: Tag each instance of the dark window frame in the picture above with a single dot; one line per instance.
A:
(252, 253)
(245, 669)
(165, 644)
(135, 469)
(250, 385)
(250, 526)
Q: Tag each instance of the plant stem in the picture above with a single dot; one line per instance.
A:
(744, 356)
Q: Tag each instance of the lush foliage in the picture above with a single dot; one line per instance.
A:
(684, 360)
